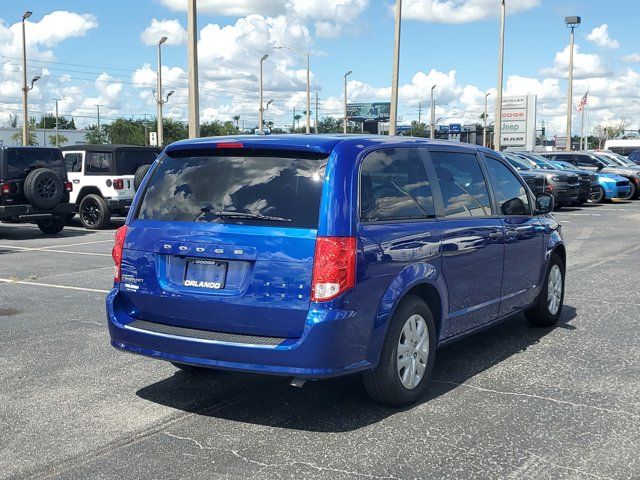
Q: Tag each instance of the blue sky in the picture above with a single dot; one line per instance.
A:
(95, 54)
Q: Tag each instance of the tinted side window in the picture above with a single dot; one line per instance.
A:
(510, 193)
(98, 162)
(464, 190)
(73, 161)
(21, 161)
(585, 160)
(130, 160)
(394, 186)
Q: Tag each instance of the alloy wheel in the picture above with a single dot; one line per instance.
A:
(554, 290)
(91, 212)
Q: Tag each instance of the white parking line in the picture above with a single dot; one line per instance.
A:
(49, 249)
(65, 245)
(49, 285)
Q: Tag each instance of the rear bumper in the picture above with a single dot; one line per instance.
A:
(119, 204)
(330, 346)
(28, 213)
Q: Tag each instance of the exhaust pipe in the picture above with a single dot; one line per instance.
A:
(297, 382)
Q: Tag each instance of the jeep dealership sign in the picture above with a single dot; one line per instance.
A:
(518, 122)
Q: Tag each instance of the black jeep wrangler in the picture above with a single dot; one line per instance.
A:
(34, 187)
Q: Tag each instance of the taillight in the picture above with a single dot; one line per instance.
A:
(68, 186)
(230, 145)
(334, 267)
(549, 188)
(116, 253)
(5, 188)
(118, 184)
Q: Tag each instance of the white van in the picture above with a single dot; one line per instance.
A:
(623, 147)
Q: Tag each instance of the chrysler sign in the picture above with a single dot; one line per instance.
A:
(518, 122)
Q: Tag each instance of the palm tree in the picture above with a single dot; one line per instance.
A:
(236, 118)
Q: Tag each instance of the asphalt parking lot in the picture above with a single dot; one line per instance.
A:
(512, 402)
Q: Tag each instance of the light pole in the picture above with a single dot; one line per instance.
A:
(261, 109)
(484, 130)
(498, 118)
(192, 54)
(57, 135)
(433, 114)
(346, 113)
(307, 56)
(572, 23)
(25, 88)
(393, 116)
(159, 93)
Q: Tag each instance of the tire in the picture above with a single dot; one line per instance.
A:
(192, 368)
(43, 188)
(598, 197)
(389, 383)
(94, 212)
(139, 175)
(633, 191)
(51, 226)
(546, 313)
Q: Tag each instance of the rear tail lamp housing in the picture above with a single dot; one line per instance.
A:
(5, 188)
(118, 184)
(334, 267)
(68, 187)
(116, 253)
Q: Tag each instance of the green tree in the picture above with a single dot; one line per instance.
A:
(127, 131)
(419, 129)
(72, 124)
(48, 121)
(217, 128)
(52, 139)
(17, 138)
(95, 137)
(174, 130)
(236, 118)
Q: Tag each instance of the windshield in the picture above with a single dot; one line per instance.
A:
(517, 162)
(540, 162)
(255, 189)
(607, 161)
(562, 165)
(623, 160)
(21, 161)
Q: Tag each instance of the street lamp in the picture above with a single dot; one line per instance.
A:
(304, 55)
(261, 109)
(498, 118)
(25, 89)
(346, 113)
(433, 114)
(484, 130)
(393, 117)
(572, 23)
(160, 101)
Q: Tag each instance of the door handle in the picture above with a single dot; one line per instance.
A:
(495, 235)
(512, 233)
(76, 181)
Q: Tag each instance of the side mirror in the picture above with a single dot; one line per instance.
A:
(600, 165)
(515, 206)
(545, 203)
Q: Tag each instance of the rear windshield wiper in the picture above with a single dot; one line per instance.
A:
(255, 216)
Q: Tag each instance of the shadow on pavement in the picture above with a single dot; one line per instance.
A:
(336, 405)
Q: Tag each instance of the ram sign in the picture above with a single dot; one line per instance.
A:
(518, 122)
(360, 112)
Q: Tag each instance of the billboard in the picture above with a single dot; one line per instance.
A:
(518, 122)
(360, 112)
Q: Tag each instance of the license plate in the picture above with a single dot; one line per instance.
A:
(209, 274)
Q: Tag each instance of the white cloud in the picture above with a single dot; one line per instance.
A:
(232, 8)
(600, 36)
(172, 29)
(330, 17)
(460, 11)
(632, 58)
(585, 65)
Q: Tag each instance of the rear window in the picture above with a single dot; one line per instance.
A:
(128, 161)
(22, 161)
(254, 189)
(98, 162)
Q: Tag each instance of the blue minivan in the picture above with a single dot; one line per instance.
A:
(317, 256)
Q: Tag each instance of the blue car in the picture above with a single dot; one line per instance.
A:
(318, 256)
(610, 185)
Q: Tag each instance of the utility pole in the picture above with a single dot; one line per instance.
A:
(293, 124)
(497, 123)
(433, 115)
(572, 23)
(159, 93)
(261, 109)
(192, 53)
(393, 117)
(484, 129)
(99, 134)
(419, 113)
(346, 112)
(25, 89)
(316, 126)
(57, 135)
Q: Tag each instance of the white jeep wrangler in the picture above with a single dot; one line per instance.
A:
(105, 179)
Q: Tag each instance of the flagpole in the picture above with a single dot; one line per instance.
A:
(586, 141)
(582, 130)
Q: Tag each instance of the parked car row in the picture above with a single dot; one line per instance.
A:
(48, 186)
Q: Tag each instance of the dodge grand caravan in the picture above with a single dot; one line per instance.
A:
(319, 256)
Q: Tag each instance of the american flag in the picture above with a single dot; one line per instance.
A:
(582, 102)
